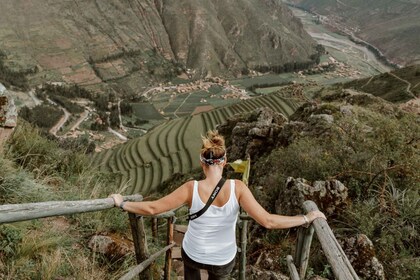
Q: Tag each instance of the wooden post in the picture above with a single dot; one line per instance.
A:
(244, 236)
(168, 257)
(244, 230)
(340, 264)
(154, 229)
(303, 260)
(299, 243)
(292, 268)
(10, 213)
(140, 243)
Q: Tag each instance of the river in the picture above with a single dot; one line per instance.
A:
(341, 47)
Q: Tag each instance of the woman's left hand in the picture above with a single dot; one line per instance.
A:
(118, 199)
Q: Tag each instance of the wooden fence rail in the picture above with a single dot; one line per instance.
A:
(341, 266)
(10, 213)
(342, 269)
(142, 266)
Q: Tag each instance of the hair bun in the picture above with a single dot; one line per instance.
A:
(213, 145)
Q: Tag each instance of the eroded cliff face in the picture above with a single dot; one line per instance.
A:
(134, 43)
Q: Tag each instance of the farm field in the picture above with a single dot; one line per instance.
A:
(172, 147)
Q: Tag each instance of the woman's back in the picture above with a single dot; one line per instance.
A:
(210, 239)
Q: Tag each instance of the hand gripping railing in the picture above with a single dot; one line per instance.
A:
(336, 257)
(10, 213)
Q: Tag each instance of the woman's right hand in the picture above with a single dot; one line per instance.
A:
(314, 215)
(118, 199)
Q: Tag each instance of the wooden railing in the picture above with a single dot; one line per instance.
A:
(336, 257)
(342, 269)
(10, 213)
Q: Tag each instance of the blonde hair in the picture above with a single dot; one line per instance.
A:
(213, 149)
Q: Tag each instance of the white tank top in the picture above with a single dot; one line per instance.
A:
(211, 238)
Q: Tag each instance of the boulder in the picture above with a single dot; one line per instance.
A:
(112, 246)
(330, 196)
(253, 134)
(361, 253)
(255, 273)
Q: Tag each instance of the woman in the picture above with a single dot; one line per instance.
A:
(210, 242)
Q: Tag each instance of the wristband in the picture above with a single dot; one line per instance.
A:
(122, 205)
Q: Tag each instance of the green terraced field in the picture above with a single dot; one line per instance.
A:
(173, 146)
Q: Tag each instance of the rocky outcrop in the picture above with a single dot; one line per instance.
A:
(256, 273)
(8, 116)
(361, 253)
(253, 134)
(112, 246)
(330, 196)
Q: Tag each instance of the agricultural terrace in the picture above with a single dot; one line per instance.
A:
(173, 146)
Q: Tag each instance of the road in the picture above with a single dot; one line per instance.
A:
(83, 116)
(60, 123)
(34, 98)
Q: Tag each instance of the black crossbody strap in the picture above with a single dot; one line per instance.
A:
(209, 202)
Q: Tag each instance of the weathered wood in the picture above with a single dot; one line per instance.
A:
(139, 268)
(299, 243)
(154, 229)
(292, 268)
(341, 266)
(163, 215)
(243, 243)
(169, 240)
(305, 250)
(10, 213)
(245, 216)
(140, 243)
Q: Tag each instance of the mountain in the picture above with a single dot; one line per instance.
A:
(389, 25)
(129, 44)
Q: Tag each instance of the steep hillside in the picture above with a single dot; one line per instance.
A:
(396, 86)
(129, 44)
(392, 26)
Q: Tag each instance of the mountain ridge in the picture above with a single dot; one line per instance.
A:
(129, 45)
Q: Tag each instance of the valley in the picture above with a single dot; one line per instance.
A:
(182, 97)
(113, 97)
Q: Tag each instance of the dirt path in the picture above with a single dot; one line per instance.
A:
(119, 135)
(83, 116)
(34, 98)
(408, 89)
(119, 116)
(182, 103)
(60, 123)
(345, 5)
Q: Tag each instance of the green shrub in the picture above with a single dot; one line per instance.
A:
(43, 116)
(10, 237)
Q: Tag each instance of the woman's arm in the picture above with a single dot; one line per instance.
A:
(180, 196)
(267, 220)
